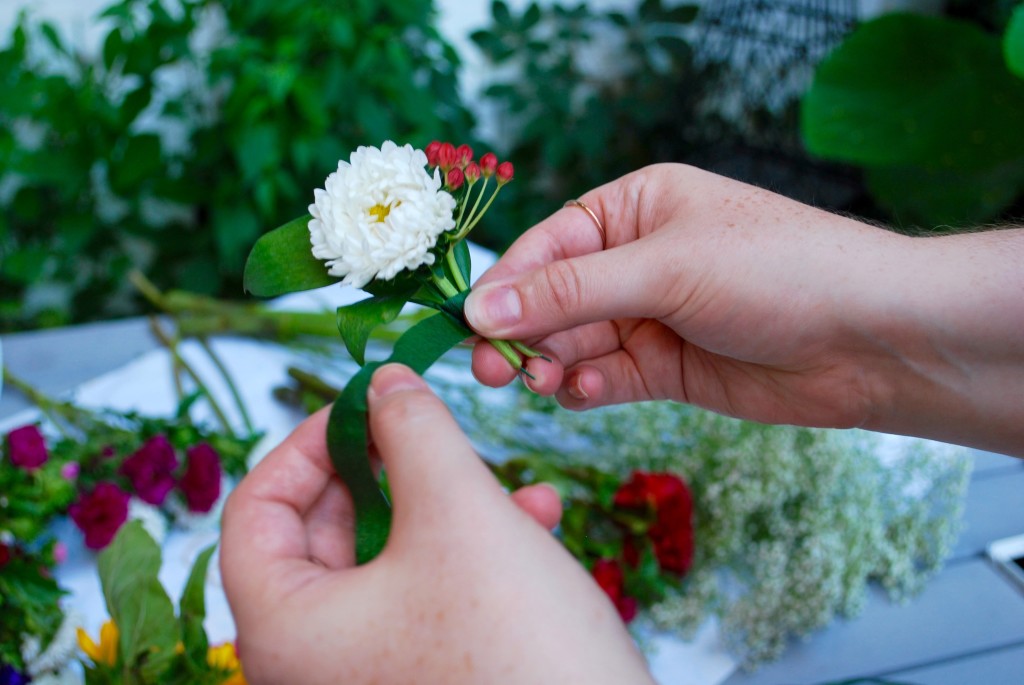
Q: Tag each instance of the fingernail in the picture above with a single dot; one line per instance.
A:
(491, 309)
(575, 388)
(392, 378)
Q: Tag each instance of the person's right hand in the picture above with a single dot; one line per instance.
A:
(706, 290)
(702, 290)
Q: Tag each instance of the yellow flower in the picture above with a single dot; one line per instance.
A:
(106, 651)
(224, 658)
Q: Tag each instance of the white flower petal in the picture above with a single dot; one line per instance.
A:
(379, 214)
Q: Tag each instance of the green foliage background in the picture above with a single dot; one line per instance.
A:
(172, 152)
(196, 129)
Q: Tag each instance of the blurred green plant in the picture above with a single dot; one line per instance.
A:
(199, 124)
(585, 97)
(931, 109)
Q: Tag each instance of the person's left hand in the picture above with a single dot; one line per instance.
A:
(469, 588)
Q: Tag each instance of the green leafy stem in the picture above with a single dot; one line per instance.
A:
(281, 262)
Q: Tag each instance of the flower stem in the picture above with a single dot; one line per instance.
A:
(445, 286)
(172, 348)
(476, 218)
(472, 217)
(453, 265)
(528, 351)
(58, 412)
(228, 381)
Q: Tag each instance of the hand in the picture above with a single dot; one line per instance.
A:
(705, 290)
(469, 589)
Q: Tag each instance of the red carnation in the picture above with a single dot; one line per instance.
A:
(666, 496)
(609, 577)
(26, 447)
(504, 172)
(201, 482)
(99, 514)
(488, 164)
(151, 470)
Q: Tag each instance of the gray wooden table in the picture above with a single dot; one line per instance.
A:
(966, 627)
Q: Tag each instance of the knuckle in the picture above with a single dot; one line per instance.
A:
(565, 285)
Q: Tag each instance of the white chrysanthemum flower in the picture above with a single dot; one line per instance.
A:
(379, 214)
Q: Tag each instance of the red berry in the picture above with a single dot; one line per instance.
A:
(488, 163)
(505, 172)
(432, 152)
(455, 178)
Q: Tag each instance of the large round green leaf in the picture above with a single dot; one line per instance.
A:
(933, 198)
(916, 90)
(1013, 42)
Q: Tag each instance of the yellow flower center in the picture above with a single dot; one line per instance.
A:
(380, 212)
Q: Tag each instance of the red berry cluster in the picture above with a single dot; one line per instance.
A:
(458, 167)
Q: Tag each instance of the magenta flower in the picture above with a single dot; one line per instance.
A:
(201, 482)
(26, 447)
(70, 470)
(151, 470)
(99, 514)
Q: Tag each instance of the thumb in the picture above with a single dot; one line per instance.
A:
(426, 454)
(621, 282)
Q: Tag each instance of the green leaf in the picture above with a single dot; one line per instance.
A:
(357, 321)
(418, 348)
(192, 608)
(282, 262)
(916, 90)
(137, 602)
(138, 159)
(946, 197)
(1013, 42)
(463, 260)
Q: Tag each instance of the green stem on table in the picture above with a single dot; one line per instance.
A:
(58, 412)
(228, 381)
(172, 348)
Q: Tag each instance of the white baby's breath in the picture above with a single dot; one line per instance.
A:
(379, 214)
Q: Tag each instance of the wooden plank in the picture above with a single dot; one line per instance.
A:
(967, 608)
(1003, 667)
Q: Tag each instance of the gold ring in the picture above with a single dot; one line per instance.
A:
(588, 210)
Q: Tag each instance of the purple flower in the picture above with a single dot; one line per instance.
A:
(100, 514)
(70, 470)
(201, 482)
(12, 676)
(26, 447)
(151, 470)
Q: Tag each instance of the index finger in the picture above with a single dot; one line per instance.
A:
(264, 543)
(569, 232)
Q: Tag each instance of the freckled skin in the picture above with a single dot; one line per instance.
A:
(753, 305)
